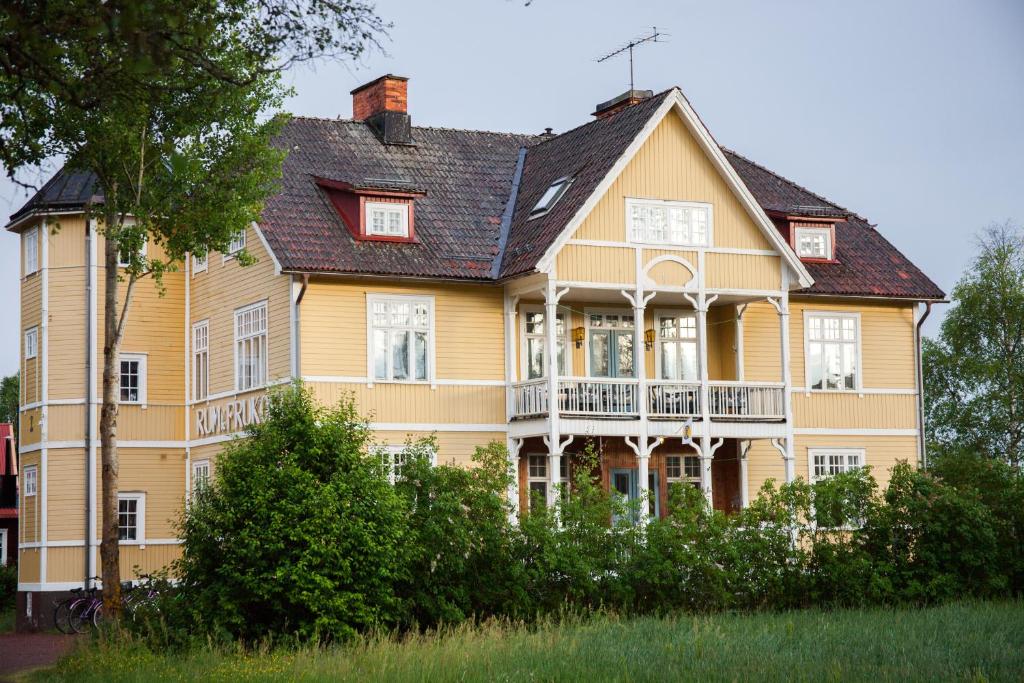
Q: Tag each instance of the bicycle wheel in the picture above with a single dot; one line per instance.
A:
(79, 614)
(61, 612)
(97, 615)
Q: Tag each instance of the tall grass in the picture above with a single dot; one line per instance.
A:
(970, 641)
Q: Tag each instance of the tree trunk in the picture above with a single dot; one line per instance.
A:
(110, 558)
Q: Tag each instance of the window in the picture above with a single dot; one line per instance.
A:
(677, 347)
(832, 351)
(387, 219)
(31, 342)
(393, 459)
(550, 196)
(610, 344)
(814, 243)
(535, 334)
(251, 346)
(200, 474)
(200, 360)
(400, 338)
(661, 222)
(200, 263)
(30, 242)
(30, 480)
(124, 257)
(826, 462)
(131, 516)
(537, 479)
(236, 244)
(133, 378)
(3, 547)
(683, 469)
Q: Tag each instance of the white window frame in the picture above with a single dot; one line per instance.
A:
(3, 547)
(142, 252)
(393, 464)
(259, 382)
(32, 349)
(200, 264)
(400, 208)
(30, 238)
(412, 300)
(845, 453)
(142, 360)
(201, 347)
(140, 518)
(658, 339)
(858, 380)
(198, 467)
(524, 358)
(824, 233)
(632, 202)
(563, 478)
(30, 481)
(587, 312)
(683, 476)
(236, 245)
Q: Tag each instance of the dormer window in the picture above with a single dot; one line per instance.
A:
(813, 242)
(551, 196)
(387, 219)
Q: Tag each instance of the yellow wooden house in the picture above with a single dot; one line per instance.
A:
(628, 283)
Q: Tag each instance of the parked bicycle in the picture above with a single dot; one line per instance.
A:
(84, 607)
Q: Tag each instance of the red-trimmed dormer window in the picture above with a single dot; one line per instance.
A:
(383, 212)
(814, 242)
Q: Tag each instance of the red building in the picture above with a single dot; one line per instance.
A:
(8, 496)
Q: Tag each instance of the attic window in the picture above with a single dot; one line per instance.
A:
(387, 219)
(551, 196)
(813, 243)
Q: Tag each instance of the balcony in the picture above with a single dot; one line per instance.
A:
(617, 398)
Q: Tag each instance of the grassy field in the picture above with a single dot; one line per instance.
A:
(975, 642)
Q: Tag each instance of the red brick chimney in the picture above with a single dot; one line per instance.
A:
(387, 93)
(617, 104)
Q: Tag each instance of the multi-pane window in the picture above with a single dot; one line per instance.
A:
(825, 463)
(200, 263)
(31, 342)
(662, 222)
(400, 337)
(132, 378)
(236, 244)
(30, 244)
(200, 360)
(536, 336)
(537, 478)
(393, 460)
(30, 480)
(832, 352)
(200, 474)
(611, 344)
(683, 468)
(677, 347)
(131, 510)
(387, 219)
(251, 347)
(814, 243)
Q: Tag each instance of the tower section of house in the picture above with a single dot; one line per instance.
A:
(628, 284)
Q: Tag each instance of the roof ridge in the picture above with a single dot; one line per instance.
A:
(796, 185)
(593, 121)
(442, 128)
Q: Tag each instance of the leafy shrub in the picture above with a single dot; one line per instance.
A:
(8, 586)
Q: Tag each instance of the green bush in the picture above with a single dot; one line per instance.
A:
(8, 586)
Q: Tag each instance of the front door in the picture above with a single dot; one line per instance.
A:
(611, 345)
(624, 484)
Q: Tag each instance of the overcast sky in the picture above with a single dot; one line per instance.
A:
(910, 113)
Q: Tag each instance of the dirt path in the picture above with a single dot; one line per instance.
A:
(21, 651)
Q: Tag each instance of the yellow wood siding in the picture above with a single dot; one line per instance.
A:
(671, 166)
(28, 565)
(29, 432)
(136, 560)
(671, 273)
(743, 271)
(30, 510)
(469, 327)
(66, 242)
(65, 564)
(31, 311)
(68, 322)
(226, 286)
(853, 411)
(66, 497)
(160, 474)
(419, 403)
(762, 344)
(454, 448)
(586, 263)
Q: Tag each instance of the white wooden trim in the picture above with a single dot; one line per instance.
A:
(606, 310)
(140, 515)
(266, 246)
(412, 299)
(859, 375)
(265, 303)
(682, 204)
(436, 427)
(399, 207)
(567, 340)
(824, 232)
(824, 450)
(862, 391)
(671, 247)
(143, 361)
(678, 313)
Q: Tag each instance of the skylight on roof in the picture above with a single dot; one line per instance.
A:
(551, 196)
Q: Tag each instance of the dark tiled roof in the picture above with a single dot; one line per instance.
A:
(867, 264)
(585, 154)
(466, 175)
(65, 190)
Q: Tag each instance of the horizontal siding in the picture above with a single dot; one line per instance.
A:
(671, 165)
(853, 411)
(469, 335)
(66, 242)
(160, 474)
(419, 403)
(66, 497)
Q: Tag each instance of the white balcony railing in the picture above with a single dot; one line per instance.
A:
(747, 400)
(598, 397)
(673, 399)
(530, 399)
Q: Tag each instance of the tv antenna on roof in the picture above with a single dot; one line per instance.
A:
(653, 37)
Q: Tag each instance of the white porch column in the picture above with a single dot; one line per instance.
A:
(511, 364)
(782, 307)
(744, 481)
(551, 297)
(705, 469)
(514, 445)
(740, 363)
